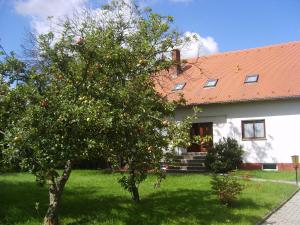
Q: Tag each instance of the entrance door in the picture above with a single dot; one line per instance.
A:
(202, 130)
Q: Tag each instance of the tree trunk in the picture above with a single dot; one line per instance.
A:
(134, 189)
(55, 192)
(135, 194)
(51, 217)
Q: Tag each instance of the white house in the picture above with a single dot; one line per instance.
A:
(251, 95)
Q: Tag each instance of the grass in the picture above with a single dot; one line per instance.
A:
(270, 175)
(92, 197)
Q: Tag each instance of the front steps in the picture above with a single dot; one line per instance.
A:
(191, 162)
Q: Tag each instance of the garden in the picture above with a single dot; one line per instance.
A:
(87, 93)
(95, 197)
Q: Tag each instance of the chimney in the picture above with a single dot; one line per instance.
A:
(177, 62)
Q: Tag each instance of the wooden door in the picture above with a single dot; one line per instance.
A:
(202, 130)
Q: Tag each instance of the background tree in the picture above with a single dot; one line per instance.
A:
(91, 92)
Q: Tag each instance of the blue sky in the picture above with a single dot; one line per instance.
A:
(222, 25)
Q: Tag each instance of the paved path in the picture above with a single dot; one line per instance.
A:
(273, 181)
(288, 214)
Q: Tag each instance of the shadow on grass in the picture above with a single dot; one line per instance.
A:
(84, 206)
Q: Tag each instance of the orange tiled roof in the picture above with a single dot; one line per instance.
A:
(278, 67)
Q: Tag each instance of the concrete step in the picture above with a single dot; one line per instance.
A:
(195, 153)
(184, 162)
(190, 164)
(186, 171)
(187, 167)
(190, 161)
(191, 157)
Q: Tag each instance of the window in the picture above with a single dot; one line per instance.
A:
(251, 78)
(178, 86)
(253, 129)
(211, 83)
(269, 166)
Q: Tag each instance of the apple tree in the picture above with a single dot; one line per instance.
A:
(90, 91)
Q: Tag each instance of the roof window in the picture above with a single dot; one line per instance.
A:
(251, 78)
(179, 86)
(211, 83)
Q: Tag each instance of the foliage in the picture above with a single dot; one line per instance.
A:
(225, 156)
(12, 102)
(226, 187)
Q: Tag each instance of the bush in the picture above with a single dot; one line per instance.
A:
(224, 156)
(227, 188)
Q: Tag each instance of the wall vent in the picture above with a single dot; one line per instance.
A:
(269, 166)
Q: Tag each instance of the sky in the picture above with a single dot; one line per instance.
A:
(220, 25)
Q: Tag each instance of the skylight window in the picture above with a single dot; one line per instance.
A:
(211, 83)
(179, 86)
(251, 78)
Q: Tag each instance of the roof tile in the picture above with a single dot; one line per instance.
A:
(278, 67)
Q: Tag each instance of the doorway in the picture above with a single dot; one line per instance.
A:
(203, 130)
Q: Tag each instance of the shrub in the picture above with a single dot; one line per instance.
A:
(227, 188)
(224, 156)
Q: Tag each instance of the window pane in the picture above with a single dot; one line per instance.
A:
(211, 83)
(179, 86)
(248, 130)
(251, 78)
(259, 129)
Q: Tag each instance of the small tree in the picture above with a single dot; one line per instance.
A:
(227, 188)
(225, 156)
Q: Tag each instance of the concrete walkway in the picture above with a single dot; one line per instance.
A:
(288, 214)
(274, 181)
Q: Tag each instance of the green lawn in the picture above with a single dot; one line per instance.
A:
(271, 175)
(92, 197)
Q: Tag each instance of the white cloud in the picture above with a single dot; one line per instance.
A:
(39, 11)
(198, 46)
(43, 8)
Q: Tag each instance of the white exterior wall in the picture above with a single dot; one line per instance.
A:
(282, 123)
